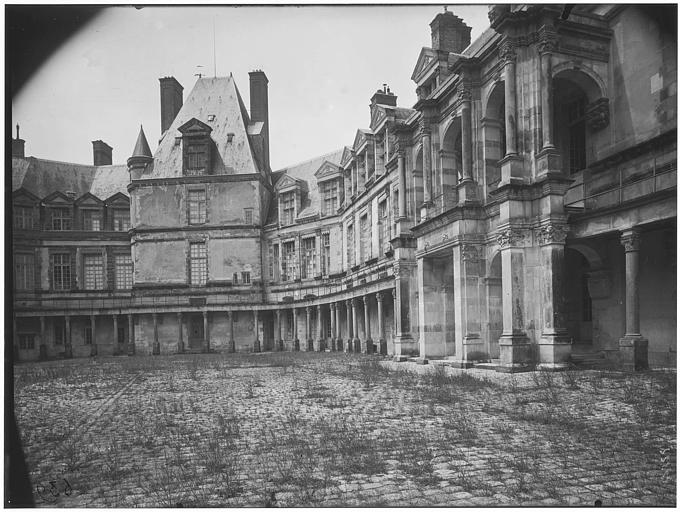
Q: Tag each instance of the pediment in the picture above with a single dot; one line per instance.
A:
(23, 196)
(88, 199)
(118, 199)
(377, 116)
(346, 156)
(425, 60)
(58, 198)
(286, 182)
(194, 127)
(359, 139)
(327, 169)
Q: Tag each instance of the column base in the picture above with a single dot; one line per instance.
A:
(467, 192)
(422, 360)
(156, 349)
(554, 351)
(549, 163)
(180, 348)
(338, 344)
(382, 343)
(296, 345)
(357, 345)
(131, 349)
(515, 352)
(93, 350)
(368, 346)
(310, 345)
(633, 350)
(232, 347)
(256, 346)
(512, 171)
(473, 346)
(280, 346)
(405, 345)
(321, 346)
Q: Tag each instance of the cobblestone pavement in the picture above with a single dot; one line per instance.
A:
(309, 429)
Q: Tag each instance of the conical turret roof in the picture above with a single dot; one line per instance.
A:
(142, 146)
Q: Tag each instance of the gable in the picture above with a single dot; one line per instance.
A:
(327, 169)
(377, 116)
(88, 199)
(23, 196)
(359, 139)
(286, 182)
(118, 199)
(424, 62)
(57, 199)
(194, 127)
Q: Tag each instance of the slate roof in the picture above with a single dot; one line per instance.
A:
(210, 96)
(43, 177)
(304, 172)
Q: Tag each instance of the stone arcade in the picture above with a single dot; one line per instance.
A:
(523, 211)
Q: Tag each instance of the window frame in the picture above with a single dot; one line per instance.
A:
(28, 277)
(197, 216)
(67, 215)
(119, 276)
(117, 211)
(65, 270)
(85, 212)
(201, 270)
(29, 219)
(101, 274)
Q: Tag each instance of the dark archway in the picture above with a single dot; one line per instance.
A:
(578, 303)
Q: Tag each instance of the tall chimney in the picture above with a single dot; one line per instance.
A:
(171, 101)
(449, 33)
(102, 152)
(384, 97)
(18, 145)
(259, 108)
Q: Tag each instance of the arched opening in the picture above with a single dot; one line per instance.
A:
(578, 302)
(573, 91)
(417, 189)
(452, 161)
(494, 135)
(494, 294)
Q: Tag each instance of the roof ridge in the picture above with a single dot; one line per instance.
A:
(61, 162)
(312, 159)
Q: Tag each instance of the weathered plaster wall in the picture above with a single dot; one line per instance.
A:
(161, 262)
(229, 255)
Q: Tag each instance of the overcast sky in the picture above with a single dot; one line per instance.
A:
(323, 64)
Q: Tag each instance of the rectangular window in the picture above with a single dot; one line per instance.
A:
(61, 219)
(350, 245)
(59, 331)
(365, 239)
(61, 271)
(24, 271)
(24, 217)
(248, 215)
(274, 261)
(289, 262)
(196, 162)
(234, 278)
(325, 254)
(88, 335)
(330, 197)
(576, 116)
(123, 270)
(121, 335)
(288, 208)
(308, 264)
(197, 207)
(26, 341)
(199, 263)
(245, 277)
(121, 220)
(93, 271)
(383, 226)
(92, 220)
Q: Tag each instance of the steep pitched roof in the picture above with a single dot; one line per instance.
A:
(218, 97)
(142, 146)
(43, 177)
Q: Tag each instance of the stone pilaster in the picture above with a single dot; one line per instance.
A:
(296, 340)
(180, 334)
(633, 346)
(131, 335)
(368, 344)
(319, 331)
(511, 165)
(256, 328)
(355, 326)
(43, 338)
(93, 326)
(467, 301)
(278, 342)
(381, 324)
(350, 343)
(230, 342)
(156, 347)
(206, 333)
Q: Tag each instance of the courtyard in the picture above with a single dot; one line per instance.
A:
(333, 429)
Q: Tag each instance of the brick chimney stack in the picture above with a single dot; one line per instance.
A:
(384, 97)
(102, 152)
(18, 145)
(259, 108)
(171, 101)
(449, 33)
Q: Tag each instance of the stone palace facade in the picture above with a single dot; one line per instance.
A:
(523, 211)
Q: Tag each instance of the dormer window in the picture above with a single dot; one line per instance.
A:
(288, 208)
(329, 191)
(61, 219)
(196, 144)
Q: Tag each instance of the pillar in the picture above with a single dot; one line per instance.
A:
(116, 341)
(279, 340)
(338, 341)
(93, 326)
(156, 348)
(131, 335)
(350, 342)
(427, 171)
(333, 333)
(401, 169)
(68, 347)
(355, 326)
(467, 302)
(256, 342)
(368, 346)
(180, 334)
(296, 341)
(308, 329)
(319, 330)
(15, 339)
(633, 346)
(206, 334)
(43, 339)
(545, 49)
(510, 102)
(230, 342)
(381, 324)
(466, 136)
(554, 347)
(405, 345)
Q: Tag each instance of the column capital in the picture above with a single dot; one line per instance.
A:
(348, 303)
(364, 299)
(354, 302)
(278, 312)
(318, 307)
(506, 51)
(309, 309)
(205, 314)
(630, 239)
(547, 40)
(551, 234)
(510, 237)
(469, 252)
(379, 296)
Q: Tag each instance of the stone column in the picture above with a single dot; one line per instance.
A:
(405, 281)
(180, 334)
(279, 341)
(350, 342)
(43, 339)
(467, 302)
(427, 172)
(508, 56)
(633, 346)
(545, 49)
(466, 136)
(554, 347)
(156, 347)
(401, 169)
(319, 330)
(355, 326)
(338, 341)
(131, 335)
(308, 329)
(381, 324)
(116, 341)
(230, 342)
(333, 333)
(206, 333)
(256, 343)
(515, 349)
(93, 326)
(68, 347)
(368, 346)
(15, 339)
(296, 341)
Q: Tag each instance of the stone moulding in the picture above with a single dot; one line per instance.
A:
(551, 234)
(510, 237)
